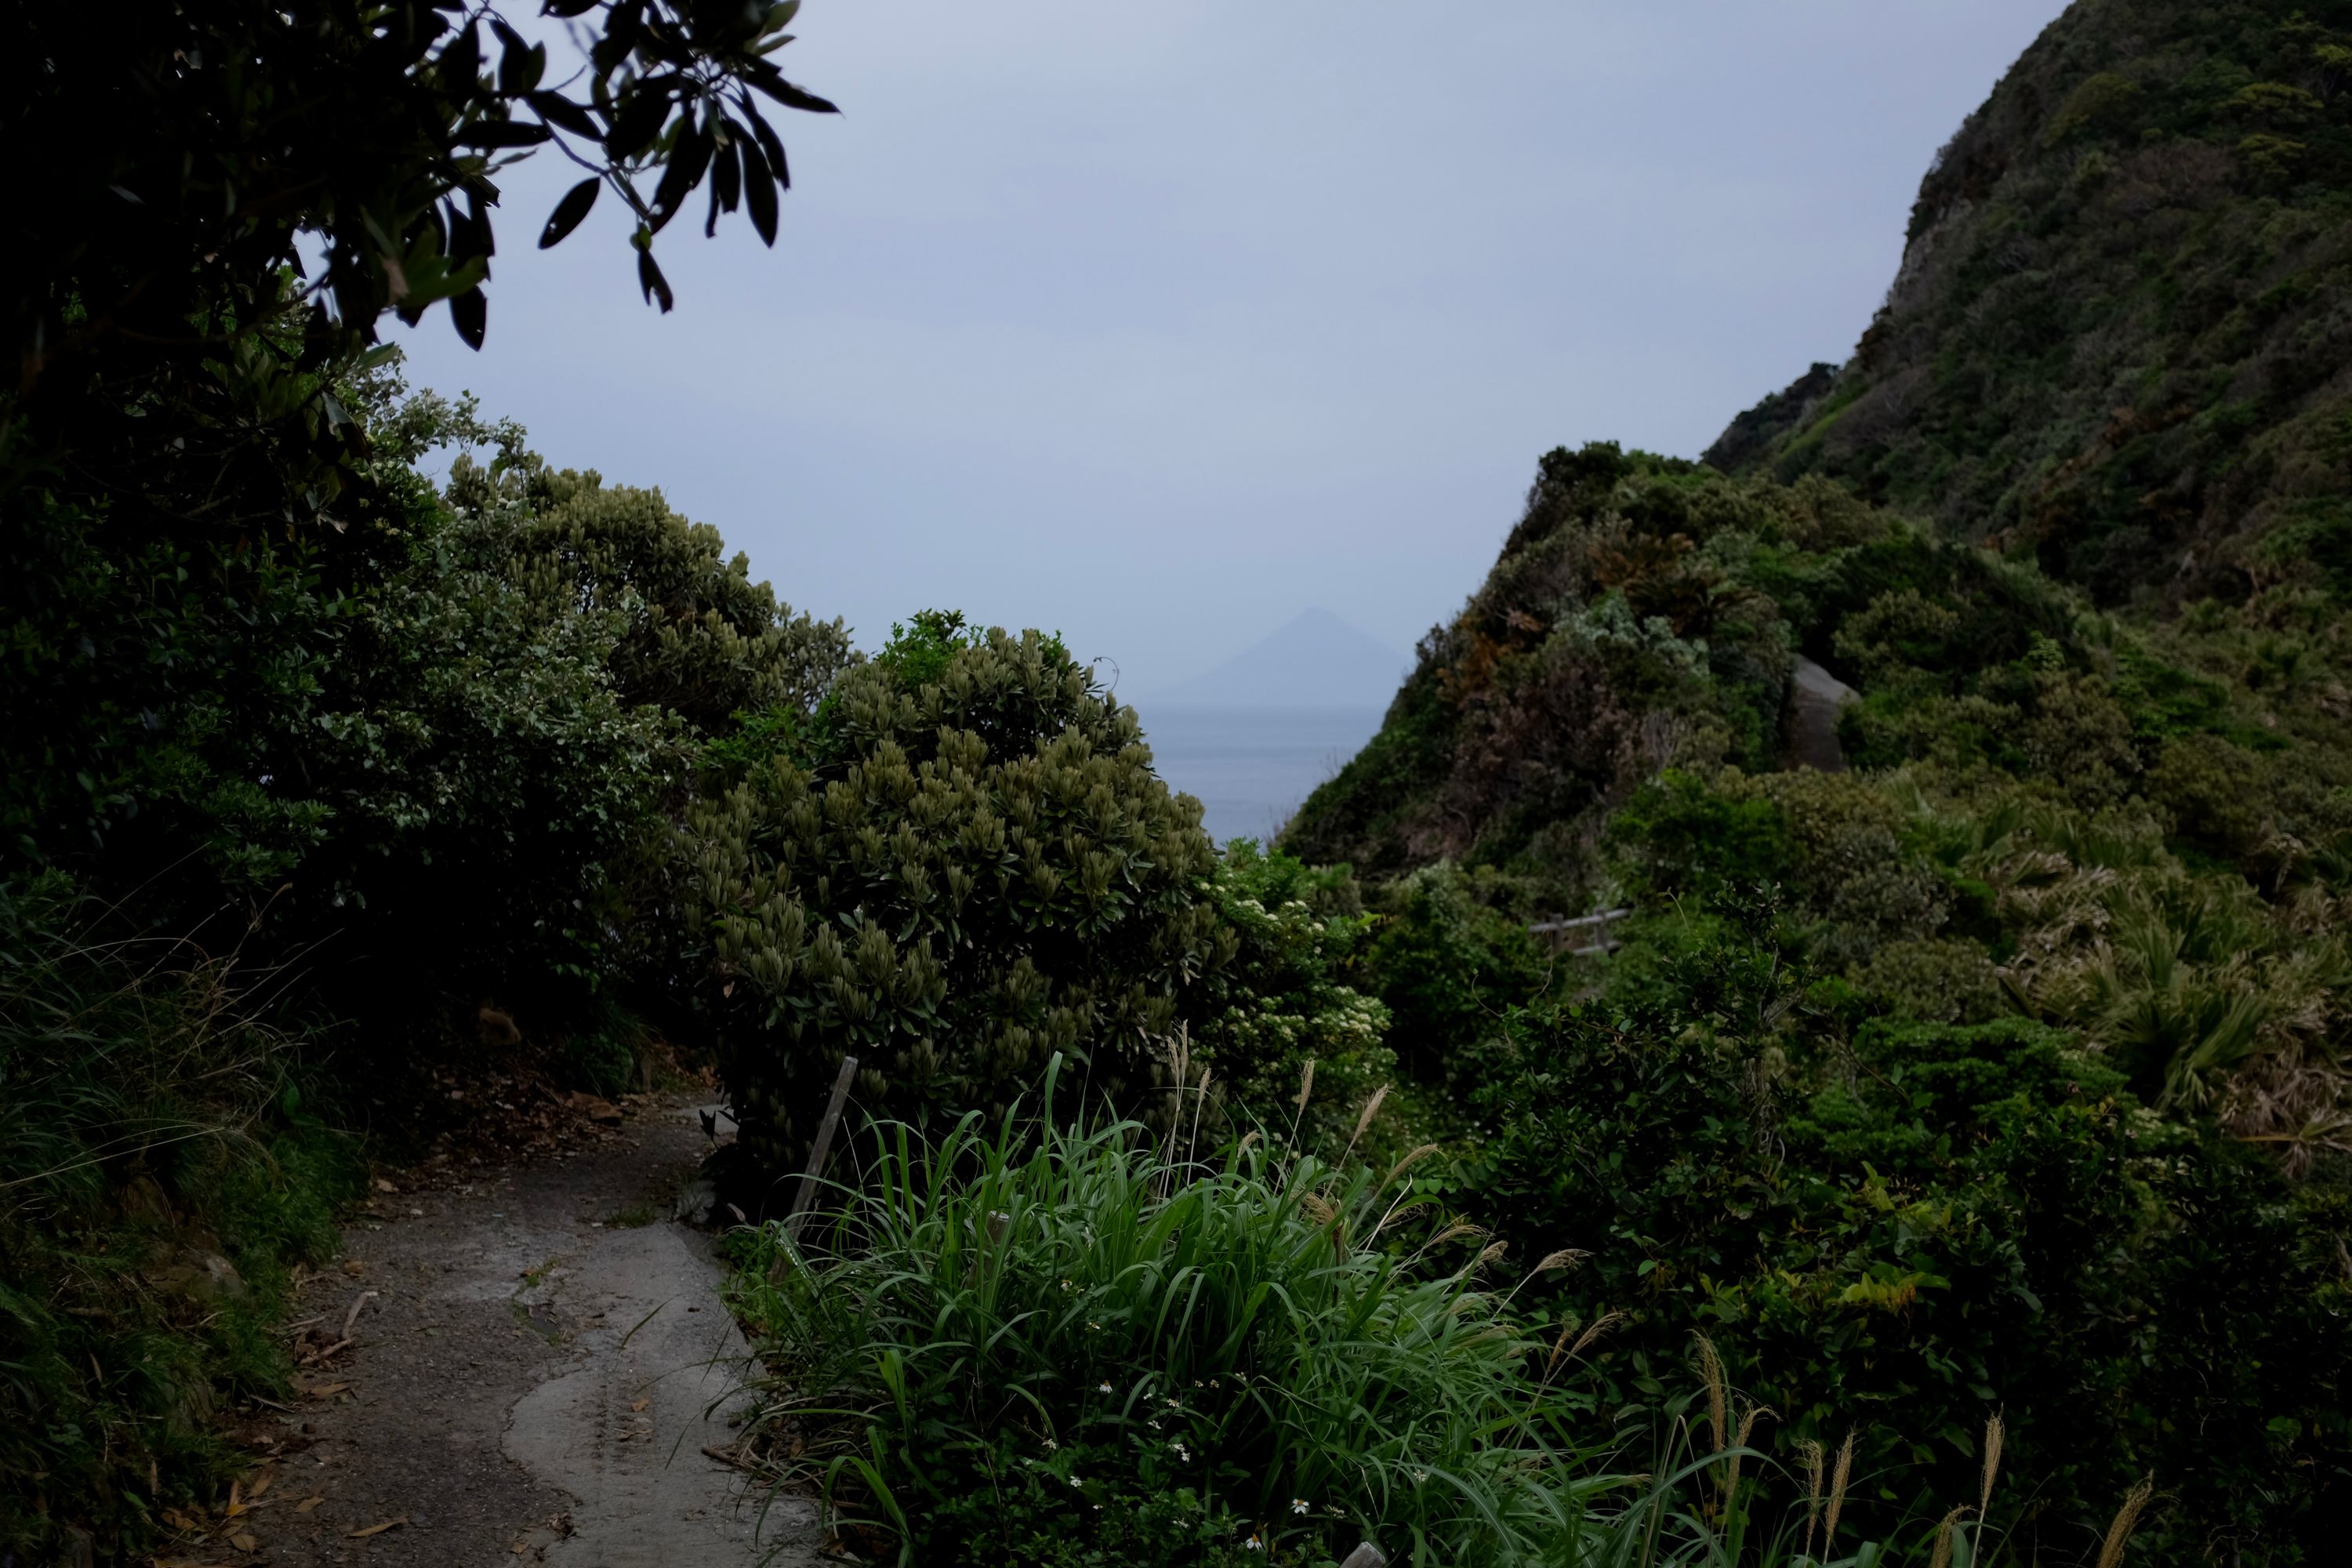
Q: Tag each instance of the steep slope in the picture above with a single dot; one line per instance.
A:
(2121, 337)
(1645, 625)
(1646, 612)
(2062, 551)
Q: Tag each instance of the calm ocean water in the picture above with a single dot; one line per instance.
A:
(1251, 767)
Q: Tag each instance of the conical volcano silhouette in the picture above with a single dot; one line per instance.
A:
(1317, 660)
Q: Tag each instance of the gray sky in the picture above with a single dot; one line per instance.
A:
(1157, 324)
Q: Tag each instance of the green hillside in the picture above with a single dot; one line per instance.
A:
(1645, 624)
(1812, 1038)
(2119, 337)
(1971, 1016)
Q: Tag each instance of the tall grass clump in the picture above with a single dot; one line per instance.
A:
(157, 1180)
(1050, 1346)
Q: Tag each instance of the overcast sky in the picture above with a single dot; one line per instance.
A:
(1157, 324)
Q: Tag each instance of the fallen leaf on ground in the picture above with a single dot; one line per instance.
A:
(326, 1389)
(384, 1186)
(641, 1404)
(244, 1542)
(307, 1503)
(354, 1266)
(260, 1485)
(373, 1528)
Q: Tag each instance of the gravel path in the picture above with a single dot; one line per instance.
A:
(540, 1360)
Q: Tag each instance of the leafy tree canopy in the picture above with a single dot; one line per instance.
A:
(229, 195)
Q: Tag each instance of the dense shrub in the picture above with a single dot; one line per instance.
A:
(457, 767)
(1947, 906)
(1441, 956)
(1293, 992)
(963, 864)
(697, 636)
(1902, 1228)
(482, 778)
(424, 743)
(145, 678)
(674, 642)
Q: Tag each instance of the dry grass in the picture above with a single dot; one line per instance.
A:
(1838, 1480)
(2126, 1520)
(1995, 1429)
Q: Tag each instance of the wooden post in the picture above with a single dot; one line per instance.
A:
(799, 1216)
(1366, 1556)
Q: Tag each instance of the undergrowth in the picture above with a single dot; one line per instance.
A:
(159, 1178)
(1059, 1348)
(1055, 1347)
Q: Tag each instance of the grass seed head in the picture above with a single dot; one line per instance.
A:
(1747, 1425)
(2126, 1520)
(1809, 1456)
(1942, 1556)
(1408, 1163)
(1838, 1478)
(1560, 1346)
(1601, 1325)
(1710, 1371)
(1993, 1439)
(1739, 1441)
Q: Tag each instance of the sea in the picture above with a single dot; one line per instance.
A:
(1252, 767)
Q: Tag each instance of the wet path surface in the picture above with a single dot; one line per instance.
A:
(539, 1361)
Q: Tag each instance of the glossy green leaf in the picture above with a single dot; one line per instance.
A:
(521, 64)
(639, 119)
(771, 146)
(650, 279)
(726, 184)
(569, 212)
(470, 312)
(565, 115)
(689, 155)
(491, 134)
(460, 64)
(759, 192)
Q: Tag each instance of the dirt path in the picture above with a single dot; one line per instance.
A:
(539, 1361)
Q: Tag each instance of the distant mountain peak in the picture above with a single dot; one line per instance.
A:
(1314, 660)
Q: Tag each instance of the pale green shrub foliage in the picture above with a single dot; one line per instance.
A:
(954, 879)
